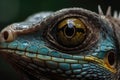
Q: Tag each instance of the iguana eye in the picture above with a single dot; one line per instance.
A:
(71, 32)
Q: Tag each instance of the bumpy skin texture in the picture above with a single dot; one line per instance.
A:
(32, 47)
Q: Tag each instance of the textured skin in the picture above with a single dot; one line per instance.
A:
(30, 49)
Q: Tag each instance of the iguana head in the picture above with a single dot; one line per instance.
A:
(69, 44)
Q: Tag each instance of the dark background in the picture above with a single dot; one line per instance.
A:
(17, 10)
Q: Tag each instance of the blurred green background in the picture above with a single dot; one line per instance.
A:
(17, 10)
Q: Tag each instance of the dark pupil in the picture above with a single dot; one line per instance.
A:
(69, 31)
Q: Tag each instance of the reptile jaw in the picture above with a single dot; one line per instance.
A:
(82, 59)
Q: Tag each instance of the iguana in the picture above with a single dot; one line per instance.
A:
(69, 44)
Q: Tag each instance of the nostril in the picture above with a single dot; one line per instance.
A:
(5, 35)
(8, 35)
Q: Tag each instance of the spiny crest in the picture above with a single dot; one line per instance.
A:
(108, 12)
(116, 14)
(100, 10)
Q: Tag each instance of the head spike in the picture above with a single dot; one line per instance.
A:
(119, 15)
(115, 15)
(100, 10)
(108, 13)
